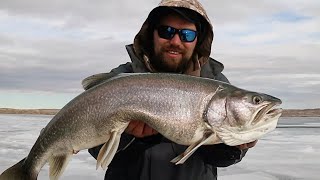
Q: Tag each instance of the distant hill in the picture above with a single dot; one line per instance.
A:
(301, 112)
(28, 111)
(286, 112)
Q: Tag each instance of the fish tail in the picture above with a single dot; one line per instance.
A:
(17, 172)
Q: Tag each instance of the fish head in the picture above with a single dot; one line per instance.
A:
(248, 109)
(240, 116)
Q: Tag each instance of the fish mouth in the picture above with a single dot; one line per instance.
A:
(267, 112)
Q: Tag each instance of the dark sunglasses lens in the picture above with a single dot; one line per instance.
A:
(187, 35)
(166, 32)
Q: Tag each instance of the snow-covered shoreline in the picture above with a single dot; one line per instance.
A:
(286, 112)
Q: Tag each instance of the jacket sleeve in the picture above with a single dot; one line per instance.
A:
(221, 155)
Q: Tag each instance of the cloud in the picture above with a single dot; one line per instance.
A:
(48, 62)
(49, 47)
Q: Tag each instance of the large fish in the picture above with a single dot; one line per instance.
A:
(187, 110)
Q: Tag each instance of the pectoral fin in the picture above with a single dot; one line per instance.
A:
(192, 148)
(233, 139)
(108, 150)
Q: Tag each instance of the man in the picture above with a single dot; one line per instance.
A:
(175, 38)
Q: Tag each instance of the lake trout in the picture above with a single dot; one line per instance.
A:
(187, 110)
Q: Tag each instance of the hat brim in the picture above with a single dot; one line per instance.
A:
(187, 14)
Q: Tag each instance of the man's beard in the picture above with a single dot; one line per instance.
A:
(161, 65)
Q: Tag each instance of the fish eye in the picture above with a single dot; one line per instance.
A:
(257, 100)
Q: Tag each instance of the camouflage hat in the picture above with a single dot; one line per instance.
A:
(191, 10)
(189, 4)
(160, 12)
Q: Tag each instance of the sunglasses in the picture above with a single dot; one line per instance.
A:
(168, 32)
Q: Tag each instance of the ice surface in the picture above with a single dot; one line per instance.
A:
(284, 154)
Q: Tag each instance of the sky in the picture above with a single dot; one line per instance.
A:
(48, 47)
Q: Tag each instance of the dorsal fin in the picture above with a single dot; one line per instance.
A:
(96, 79)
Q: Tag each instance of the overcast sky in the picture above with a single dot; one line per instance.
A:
(48, 47)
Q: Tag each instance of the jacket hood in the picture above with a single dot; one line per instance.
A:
(143, 44)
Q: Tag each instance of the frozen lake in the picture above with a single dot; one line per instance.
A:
(291, 152)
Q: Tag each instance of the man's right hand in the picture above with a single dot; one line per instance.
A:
(139, 129)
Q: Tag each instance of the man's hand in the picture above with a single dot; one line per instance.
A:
(247, 146)
(139, 129)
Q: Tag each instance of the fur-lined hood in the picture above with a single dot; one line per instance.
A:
(143, 44)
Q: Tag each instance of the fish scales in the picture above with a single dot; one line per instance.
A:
(187, 110)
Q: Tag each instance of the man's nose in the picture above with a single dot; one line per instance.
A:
(175, 40)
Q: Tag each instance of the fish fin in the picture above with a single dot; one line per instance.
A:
(180, 156)
(94, 80)
(231, 139)
(112, 152)
(192, 148)
(103, 153)
(57, 165)
(17, 172)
